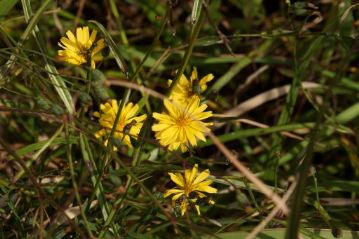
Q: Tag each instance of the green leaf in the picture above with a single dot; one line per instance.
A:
(349, 114)
(115, 50)
(6, 6)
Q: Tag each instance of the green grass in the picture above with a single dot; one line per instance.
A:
(284, 98)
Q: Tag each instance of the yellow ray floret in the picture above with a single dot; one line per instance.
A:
(82, 48)
(128, 125)
(190, 187)
(185, 89)
(181, 125)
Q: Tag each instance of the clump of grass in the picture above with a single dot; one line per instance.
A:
(112, 134)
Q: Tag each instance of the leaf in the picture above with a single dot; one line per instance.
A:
(115, 50)
(6, 6)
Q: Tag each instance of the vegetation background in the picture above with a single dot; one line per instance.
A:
(285, 98)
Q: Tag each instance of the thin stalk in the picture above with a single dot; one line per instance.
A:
(251, 195)
(73, 178)
(95, 176)
(117, 16)
(42, 194)
(127, 92)
(194, 34)
(146, 191)
(82, 111)
(245, 133)
(295, 213)
(118, 203)
(57, 81)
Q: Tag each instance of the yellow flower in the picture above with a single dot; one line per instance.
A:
(181, 125)
(82, 48)
(185, 89)
(190, 187)
(128, 125)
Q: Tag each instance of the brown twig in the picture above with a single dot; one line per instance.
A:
(272, 214)
(265, 189)
(79, 12)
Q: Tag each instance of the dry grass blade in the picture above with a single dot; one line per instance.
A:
(264, 97)
(137, 87)
(271, 215)
(249, 175)
(71, 213)
(252, 78)
(264, 126)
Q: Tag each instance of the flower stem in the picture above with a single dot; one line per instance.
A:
(194, 34)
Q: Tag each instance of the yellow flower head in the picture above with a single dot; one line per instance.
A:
(128, 125)
(181, 125)
(82, 48)
(190, 187)
(185, 89)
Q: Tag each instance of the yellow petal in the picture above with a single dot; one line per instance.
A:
(200, 195)
(177, 178)
(190, 136)
(202, 176)
(170, 108)
(194, 172)
(197, 208)
(99, 46)
(184, 148)
(159, 127)
(194, 74)
(162, 117)
(71, 36)
(169, 82)
(204, 80)
(93, 36)
(184, 205)
(79, 35)
(208, 189)
(172, 191)
(86, 34)
(187, 176)
(177, 196)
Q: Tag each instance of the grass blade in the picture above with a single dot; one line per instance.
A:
(113, 47)
(6, 6)
(57, 82)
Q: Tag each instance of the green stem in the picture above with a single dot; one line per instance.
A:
(128, 91)
(117, 16)
(245, 133)
(118, 203)
(194, 34)
(73, 178)
(295, 213)
(146, 191)
(135, 162)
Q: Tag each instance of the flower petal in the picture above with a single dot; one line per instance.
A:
(172, 191)
(177, 179)
(201, 177)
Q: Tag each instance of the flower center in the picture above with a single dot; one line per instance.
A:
(182, 121)
(84, 51)
(187, 189)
